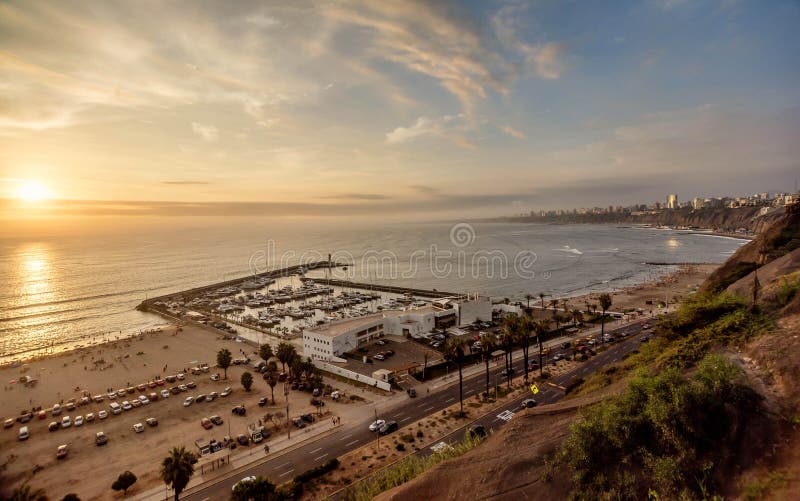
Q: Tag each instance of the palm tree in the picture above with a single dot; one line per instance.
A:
(487, 347)
(541, 298)
(541, 327)
(224, 359)
(605, 304)
(265, 352)
(454, 352)
(524, 337)
(286, 352)
(511, 327)
(177, 468)
(26, 493)
(577, 316)
(258, 488)
(528, 298)
(271, 378)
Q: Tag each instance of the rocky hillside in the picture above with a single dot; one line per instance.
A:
(753, 219)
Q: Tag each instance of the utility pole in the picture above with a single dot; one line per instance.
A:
(288, 425)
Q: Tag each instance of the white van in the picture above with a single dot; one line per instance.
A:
(23, 433)
(115, 408)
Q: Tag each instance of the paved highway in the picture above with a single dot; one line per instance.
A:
(285, 466)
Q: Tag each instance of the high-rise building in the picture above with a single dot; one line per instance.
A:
(672, 201)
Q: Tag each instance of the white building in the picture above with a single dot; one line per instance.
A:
(329, 341)
(672, 201)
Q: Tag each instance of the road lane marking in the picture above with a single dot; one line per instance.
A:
(420, 405)
(286, 473)
(450, 399)
(429, 408)
(316, 450)
(346, 437)
(284, 464)
(348, 444)
(404, 419)
(322, 456)
(506, 415)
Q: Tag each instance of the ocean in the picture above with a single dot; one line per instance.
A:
(65, 291)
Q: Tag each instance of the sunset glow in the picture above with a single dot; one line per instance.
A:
(32, 191)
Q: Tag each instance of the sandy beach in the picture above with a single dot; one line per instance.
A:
(119, 365)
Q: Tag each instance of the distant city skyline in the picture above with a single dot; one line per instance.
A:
(391, 109)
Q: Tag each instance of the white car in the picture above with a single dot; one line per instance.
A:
(56, 410)
(181, 376)
(183, 387)
(215, 377)
(112, 395)
(98, 399)
(164, 393)
(251, 478)
(188, 401)
(227, 391)
(138, 427)
(144, 400)
(66, 422)
(79, 421)
(102, 414)
(121, 392)
(126, 406)
(90, 417)
(375, 426)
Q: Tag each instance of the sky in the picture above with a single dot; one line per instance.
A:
(394, 108)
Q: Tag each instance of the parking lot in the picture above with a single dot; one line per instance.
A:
(406, 352)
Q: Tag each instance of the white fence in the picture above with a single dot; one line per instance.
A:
(355, 376)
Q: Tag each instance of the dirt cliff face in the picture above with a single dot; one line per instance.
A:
(774, 242)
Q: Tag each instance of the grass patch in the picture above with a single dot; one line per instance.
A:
(759, 488)
(403, 471)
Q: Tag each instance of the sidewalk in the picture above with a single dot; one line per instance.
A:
(247, 458)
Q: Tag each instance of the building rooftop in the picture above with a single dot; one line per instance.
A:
(419, 311)
(338, 327)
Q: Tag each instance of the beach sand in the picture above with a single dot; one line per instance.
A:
(90, 470)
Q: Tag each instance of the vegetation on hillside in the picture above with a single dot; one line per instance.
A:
(661, 437)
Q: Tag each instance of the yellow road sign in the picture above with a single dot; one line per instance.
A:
(534, 389)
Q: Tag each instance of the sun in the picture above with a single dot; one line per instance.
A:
(32, 191)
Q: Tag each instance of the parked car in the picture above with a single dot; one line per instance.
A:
(375, 426)
(100, 438)
(298, 422)
(62, 450)
(164, 393)
(216, 420)
(188, 401)
(56, 410)
(557, 357)
(477, 431)
(183, 387)
(78, 421)
(528, 403)
(191, 385)
(181, 376)
(239, 410)
(379, 357)
(262, 402)
(102, 414)
(200, 398)
(136, 403)
(215, 377)
(308, 418)
(565, 345)
(138, 427)
(227, 391)
(387, 428)
(212, 396)
(23, 434)
(112, 395)
(126, 406)
(317, 392)
(90, 417)
(115, 408)
(242, 439)
(144, 400)
(25, 417)
(411, 392)
(66, 422)
(53, 426)
(151, 421)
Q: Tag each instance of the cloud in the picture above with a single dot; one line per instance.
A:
(426, 39)
(185, 183)
(425, 190)
(511, 131)
(357, 196)
(207, 132)
(451, 127)
(548, 60)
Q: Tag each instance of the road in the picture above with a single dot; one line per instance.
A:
(285, 466)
